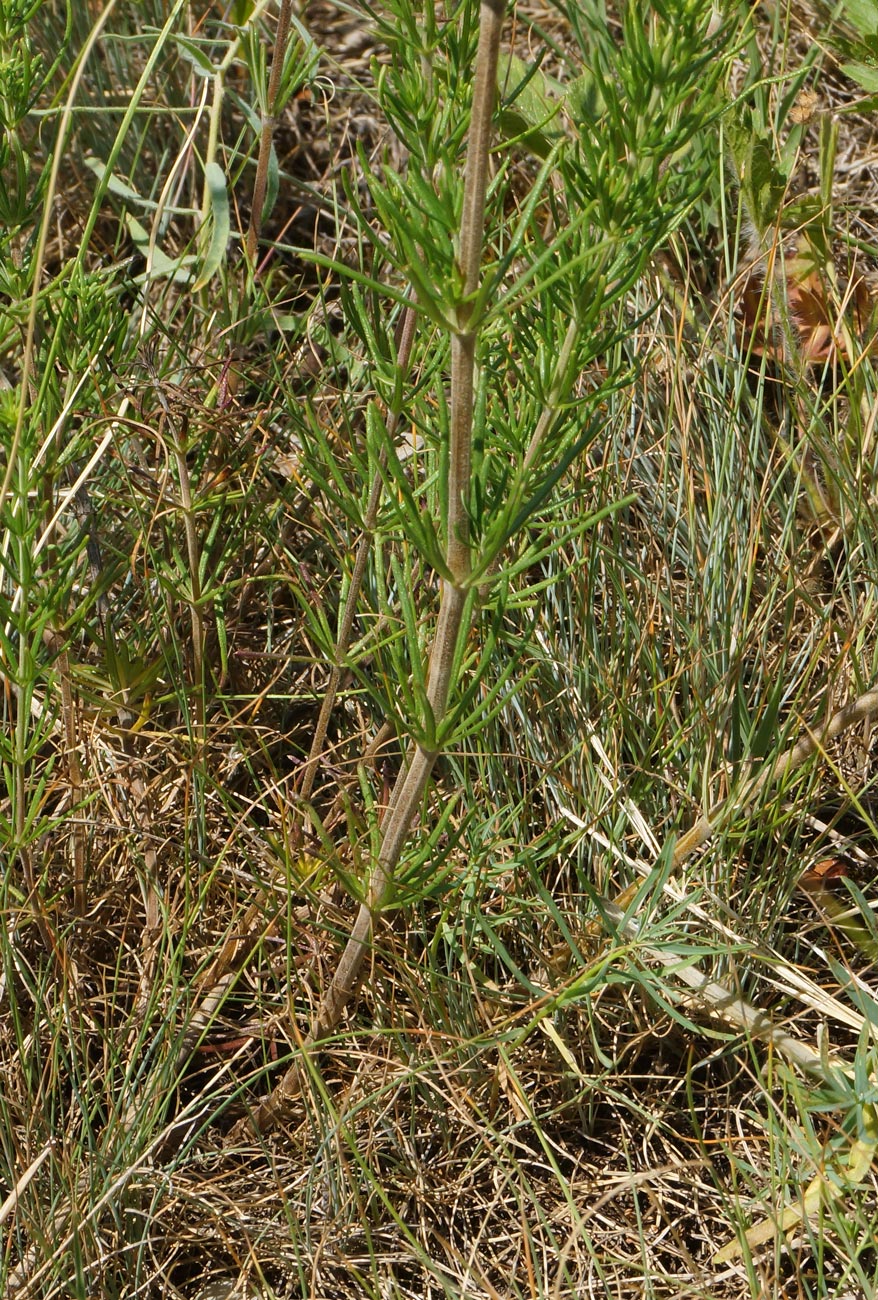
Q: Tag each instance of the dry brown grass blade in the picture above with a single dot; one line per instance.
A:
(12, 1199)
(729, 1007)
(151, 933)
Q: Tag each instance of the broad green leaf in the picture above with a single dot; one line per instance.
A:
(584, 99)
(864, 75)
(531, 105)
(863, 15)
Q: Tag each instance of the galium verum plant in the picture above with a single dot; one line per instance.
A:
(516, 256)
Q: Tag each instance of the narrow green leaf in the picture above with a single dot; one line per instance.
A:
(194, 55)
(161, 266)
(219, 214)
(272, 186)
(116, 185)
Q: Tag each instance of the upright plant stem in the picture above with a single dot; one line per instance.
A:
(408, 792)
(269, 122)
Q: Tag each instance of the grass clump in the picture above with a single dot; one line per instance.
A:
(437, 642)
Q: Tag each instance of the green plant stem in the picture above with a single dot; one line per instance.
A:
(408, 792)
(269, 122)
(195, 606)
(723, 1002)
(463, 342)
